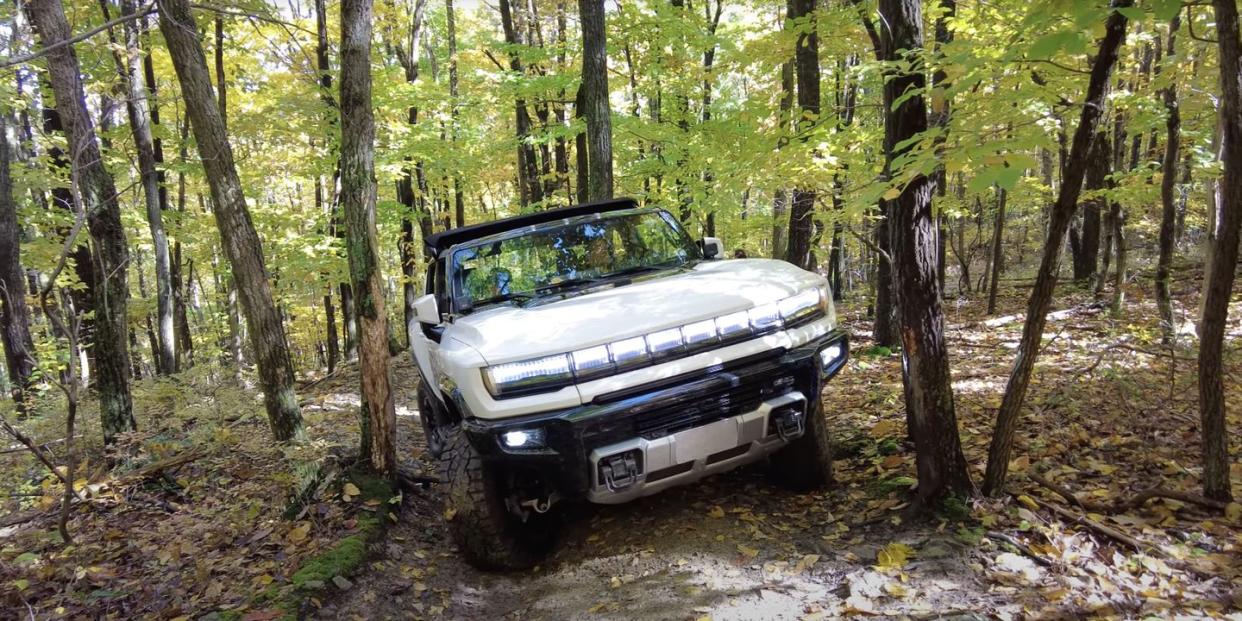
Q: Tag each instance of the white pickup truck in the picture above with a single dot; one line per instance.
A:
(596, 352)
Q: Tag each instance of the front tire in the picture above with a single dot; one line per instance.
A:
(487, 533)
(806, 463)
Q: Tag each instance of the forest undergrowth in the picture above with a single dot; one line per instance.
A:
(1112, 415)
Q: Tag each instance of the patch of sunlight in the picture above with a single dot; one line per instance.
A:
(979, 385)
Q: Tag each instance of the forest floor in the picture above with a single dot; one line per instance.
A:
(1111, 413)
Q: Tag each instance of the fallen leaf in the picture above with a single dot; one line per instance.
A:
(893, 556)
(299, 533)
(747, 551)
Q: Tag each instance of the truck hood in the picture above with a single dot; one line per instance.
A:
(710, 289)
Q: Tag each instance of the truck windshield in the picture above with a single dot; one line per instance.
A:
(555, 259)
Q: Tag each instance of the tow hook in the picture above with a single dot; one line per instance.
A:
(789, 424)
(619, 471)
(542, 505)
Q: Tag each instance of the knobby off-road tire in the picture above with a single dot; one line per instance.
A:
(806, 464)
(487, 534)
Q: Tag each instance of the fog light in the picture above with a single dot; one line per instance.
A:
(829, 356)
(522, 438)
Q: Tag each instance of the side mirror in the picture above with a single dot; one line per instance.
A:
(713, 248)
(426, 310)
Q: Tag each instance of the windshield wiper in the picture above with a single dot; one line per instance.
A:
(638, 269)
(504, 297)
(568, 283)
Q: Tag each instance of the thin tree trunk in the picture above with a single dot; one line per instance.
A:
(780, 201)
(940, 462)
(459, 200)
(998, 249)
(595, 97)
(14, 314)
(241, 241)
(379, 419)
(528, 163)
(1168, 185)
(806, 66)
(1222, 270)
(97, 199)
(129, 67)
(1046, 279)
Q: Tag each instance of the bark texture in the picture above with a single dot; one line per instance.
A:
(96, 196)
(597, 110)
(129, 66)
(1224, 263)
(14, 314)
(1050, 263)
(1168, 200)
(241, 241)
(806, 66)
(928, 383)
(378, 416)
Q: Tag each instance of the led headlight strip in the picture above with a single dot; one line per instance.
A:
(558, 370)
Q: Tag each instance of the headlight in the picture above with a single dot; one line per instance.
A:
(765, 317)
(528, 375)
(800, 305)
(699, 334)
(592, 362)
(829, 356)
(665, 343)
(629, 353)
(733, 325)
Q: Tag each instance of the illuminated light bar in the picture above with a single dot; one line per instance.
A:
(665, 343)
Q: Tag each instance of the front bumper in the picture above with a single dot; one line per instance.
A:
(645, 439)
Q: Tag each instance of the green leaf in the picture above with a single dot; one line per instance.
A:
(1050, 44)
(1165, 10)
(1007, 177)
(1132, 13)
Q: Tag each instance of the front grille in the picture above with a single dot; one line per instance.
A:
(734, 396)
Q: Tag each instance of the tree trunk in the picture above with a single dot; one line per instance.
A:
(780, 201)
(998, 249)
(129, 67)
(1168, 205)
(379, 419)
(1222, 270)
(14, 315)
(241, 241)
(329, 311)
(96, 193)
(581, 157)
(884, 328)
(349, 321)
(928, 383)
(595, 97)
(1086, 257)
(806, 66)
(459, 201)
(941, 107)
(528, 164)
(1046, 279)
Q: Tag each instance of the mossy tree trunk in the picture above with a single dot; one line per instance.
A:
(379, 419)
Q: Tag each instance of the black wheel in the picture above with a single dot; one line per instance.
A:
(488, 534)
(433, 429)
(806, 464)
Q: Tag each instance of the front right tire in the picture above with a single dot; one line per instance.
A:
(488, 534)
(806, 463)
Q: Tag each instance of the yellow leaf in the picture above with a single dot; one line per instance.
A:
(894, 556)
(805, 563)
(1233, 511)
(1028, 502)
(299, 532)
(892, 193)
(747, 551)
(716, 512)
(449, 514)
